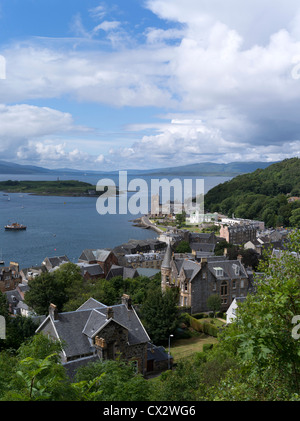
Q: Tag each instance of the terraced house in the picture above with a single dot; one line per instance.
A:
(199, 280)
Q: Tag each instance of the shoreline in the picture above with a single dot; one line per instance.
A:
(144, 222)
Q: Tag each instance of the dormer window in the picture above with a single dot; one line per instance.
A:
(219, 272)
(236, 269)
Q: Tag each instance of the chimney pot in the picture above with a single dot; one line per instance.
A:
(127, 301)
(53, 311)
(110, 313)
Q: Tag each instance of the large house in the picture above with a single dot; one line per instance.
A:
(95, 331)
(197, 280)
(104, 258)
(9, 278)
(54, 262)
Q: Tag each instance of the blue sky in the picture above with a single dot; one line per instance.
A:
(148, 84)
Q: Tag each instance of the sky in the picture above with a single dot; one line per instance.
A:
(111, 85)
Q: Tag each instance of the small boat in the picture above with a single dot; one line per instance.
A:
(15, 227)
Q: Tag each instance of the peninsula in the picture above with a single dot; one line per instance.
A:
(72, 188)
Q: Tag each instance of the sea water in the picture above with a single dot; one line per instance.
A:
(59, 225)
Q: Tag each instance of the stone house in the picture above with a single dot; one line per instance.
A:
(9, 278)
(54, 262)
(104, 258)
(91, 271)
(238, 234)
(197, 281)
(95, 331)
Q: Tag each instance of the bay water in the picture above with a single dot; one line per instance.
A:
(59, 225)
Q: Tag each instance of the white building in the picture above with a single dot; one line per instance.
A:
(198, 218)
(231, 312)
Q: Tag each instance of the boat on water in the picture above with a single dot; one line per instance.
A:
(15, 227)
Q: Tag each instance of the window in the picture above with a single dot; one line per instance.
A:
(242, 283)
(224, 288)
(236, 269)
(219, 272)
(233, 284)
(214, 286)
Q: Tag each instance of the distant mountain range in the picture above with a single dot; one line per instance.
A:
(205, 168)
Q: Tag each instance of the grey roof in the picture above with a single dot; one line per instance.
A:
(90, 304)
(92, 269)
(166, 263)
(156, 353)
(206, 247)
(190, 268)
(57, 260)
(13, 297)
(72, 366)
(76, 328)
(149, 272)
(94, 254)
(125, 272)
(228, 269)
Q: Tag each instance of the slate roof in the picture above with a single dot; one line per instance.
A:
(77, 328)
(206, 247)
(94, 254)
(125, 272)
(190, 268)
(91, 269)
(166, 263)
(156, 353)
(228, 269)
(56, 261)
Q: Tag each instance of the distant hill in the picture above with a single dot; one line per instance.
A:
(262, 194)
(205, 168)
(209, 168)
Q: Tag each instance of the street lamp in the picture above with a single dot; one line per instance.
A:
(169, 353)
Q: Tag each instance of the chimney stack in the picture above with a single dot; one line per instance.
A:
(53, 311)
(110, 313)
(127, 301)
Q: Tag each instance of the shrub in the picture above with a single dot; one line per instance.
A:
(207, 347)
(204, 327)
(199, 315)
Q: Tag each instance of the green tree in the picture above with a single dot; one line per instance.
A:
(57, 287)
(160, 315)
(214, 303)
(261, 337)
(295, 218)
(180, 219)
(116, 381)
(183, 247)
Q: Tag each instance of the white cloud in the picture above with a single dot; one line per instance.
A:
(107, 26)
(227, 69)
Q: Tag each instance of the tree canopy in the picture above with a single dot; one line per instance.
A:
(262, 195)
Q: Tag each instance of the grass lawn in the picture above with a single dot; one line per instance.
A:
(182, 348)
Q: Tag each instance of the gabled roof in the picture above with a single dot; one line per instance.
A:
(228, 267)
(92, 269)
(190, 269)
(77, 328)
(57, 260)
(99, 255)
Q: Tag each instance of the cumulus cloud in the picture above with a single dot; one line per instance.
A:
(235, 90)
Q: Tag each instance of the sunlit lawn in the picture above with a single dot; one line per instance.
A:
(182, 348)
